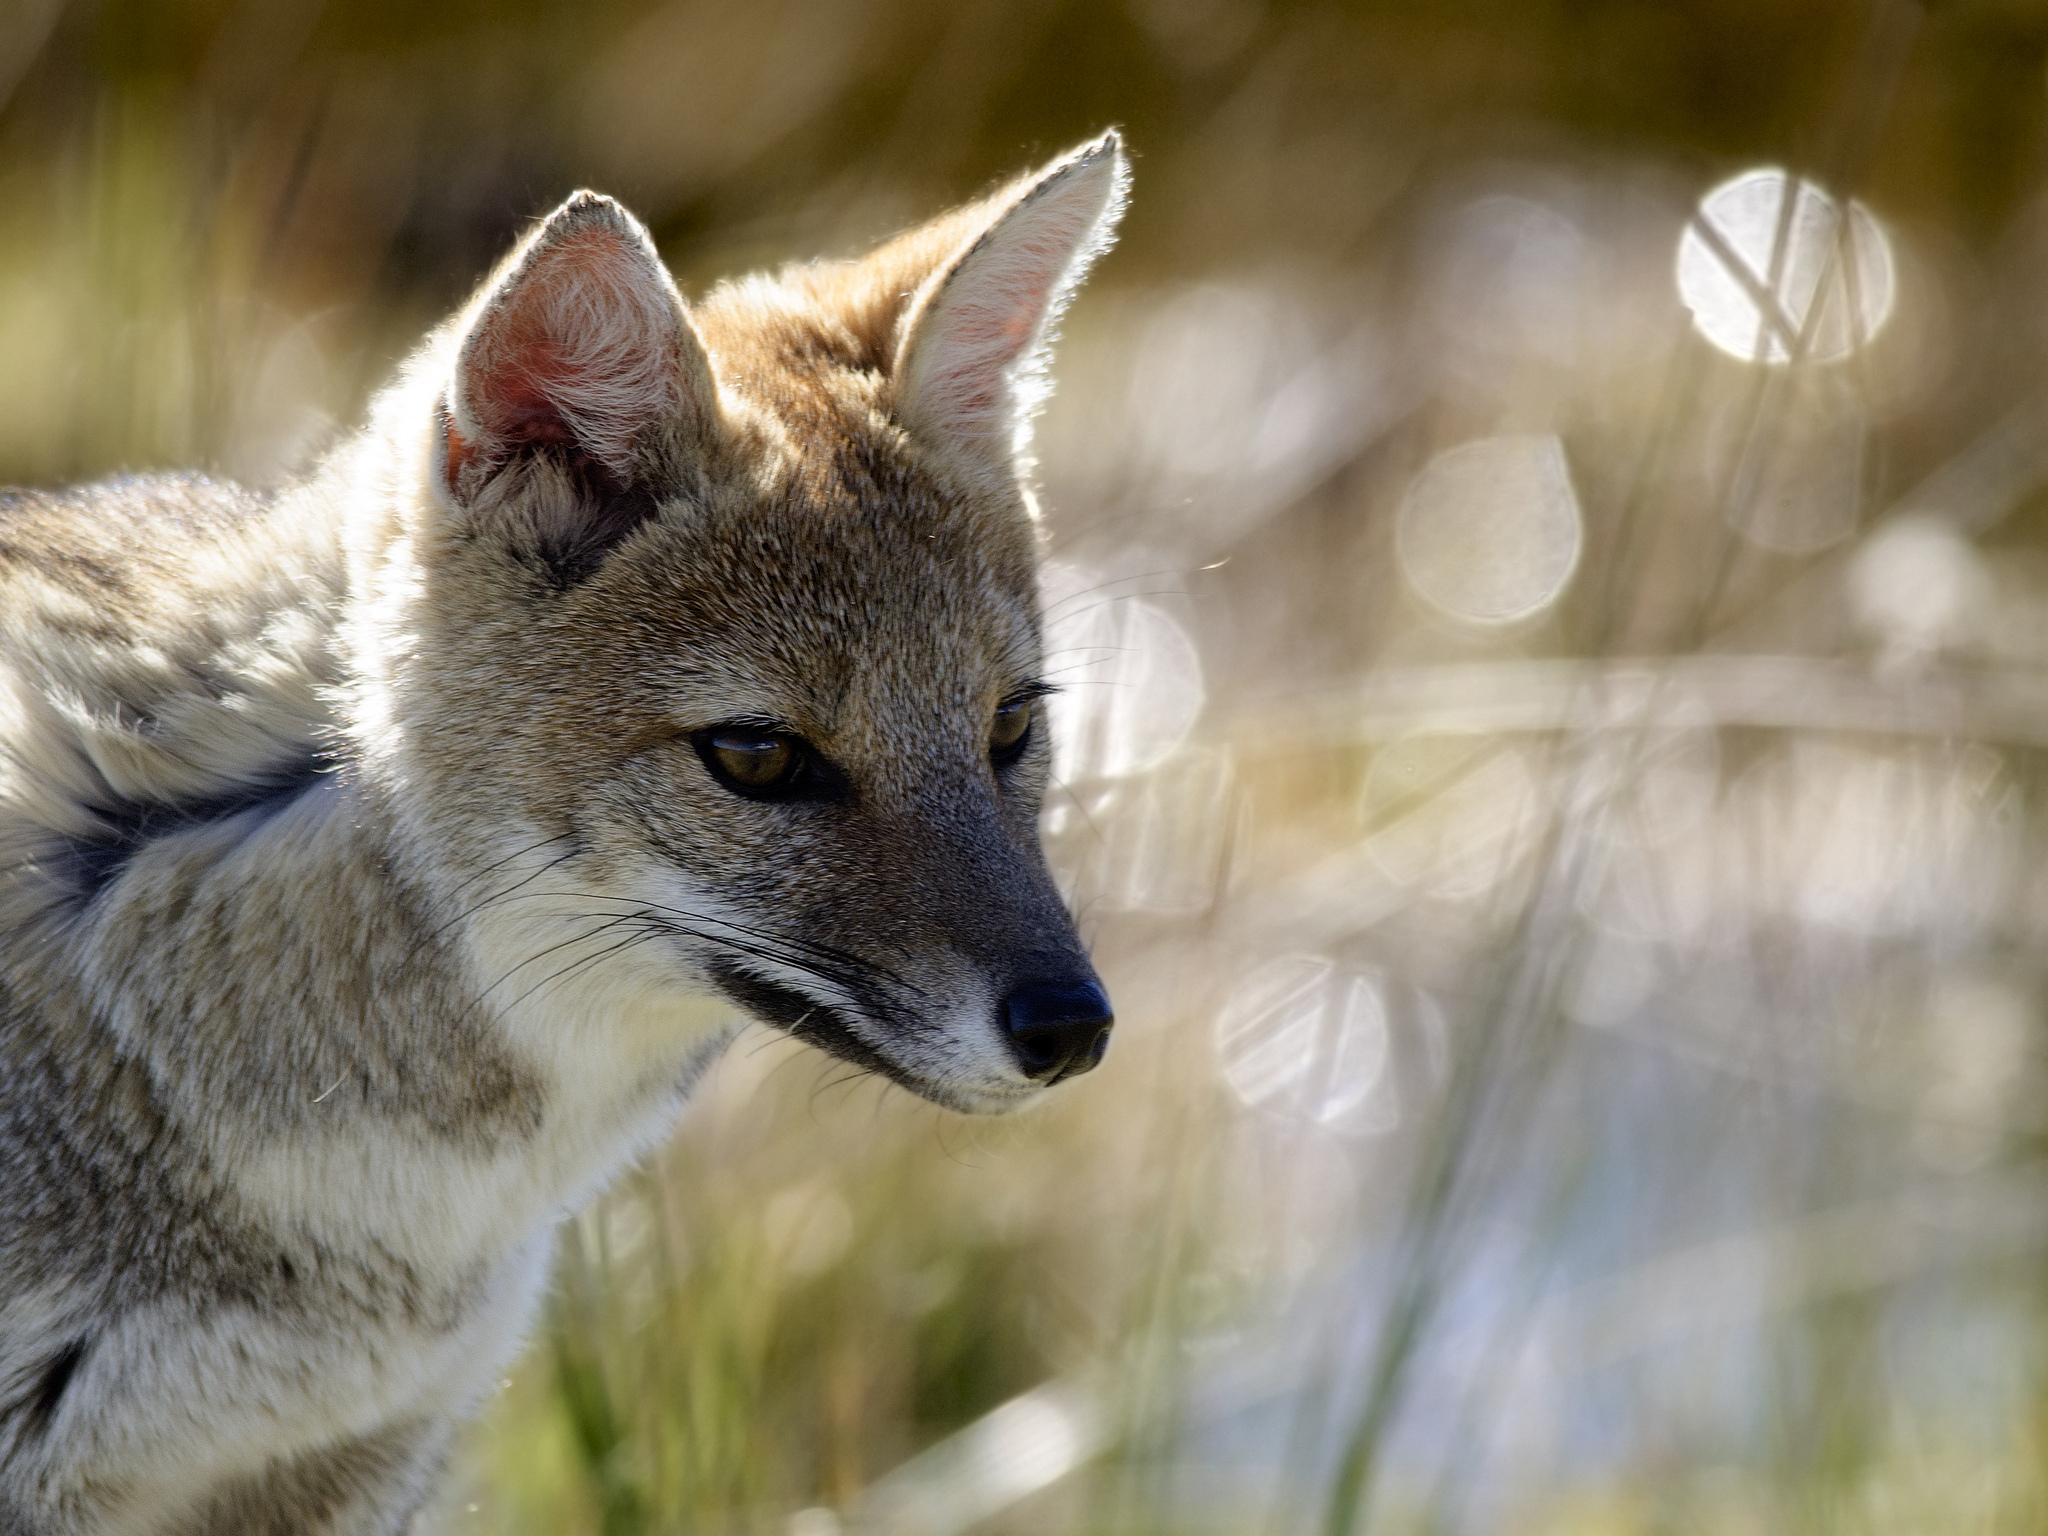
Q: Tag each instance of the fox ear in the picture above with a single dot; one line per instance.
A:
(970, 363)
(580, 343)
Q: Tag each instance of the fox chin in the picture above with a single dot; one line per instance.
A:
(383, 857)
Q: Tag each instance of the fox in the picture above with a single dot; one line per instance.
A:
(385, 856)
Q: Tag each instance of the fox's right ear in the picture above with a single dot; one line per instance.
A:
(579, 343)
(970, 360)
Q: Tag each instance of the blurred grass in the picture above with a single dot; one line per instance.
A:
(1641, 1131)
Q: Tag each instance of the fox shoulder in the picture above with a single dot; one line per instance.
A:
(164, 641)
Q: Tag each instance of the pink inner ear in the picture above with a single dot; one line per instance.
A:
(583, 349)
(994, 338)
(968, 351)
(529, 378)
(992, 329)
(984, 339)
(460, 452)
(988, 343)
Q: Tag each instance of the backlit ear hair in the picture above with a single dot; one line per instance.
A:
(971, 357)
(580, 343)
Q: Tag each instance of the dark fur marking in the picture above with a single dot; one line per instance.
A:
(794, 1014)
(40, 1407)
(572, 559)
(94, 863)
(383, 1476)
(607, 513)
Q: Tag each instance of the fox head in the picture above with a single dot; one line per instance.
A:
(706, 638)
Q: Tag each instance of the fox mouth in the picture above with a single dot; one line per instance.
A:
(814, 1023)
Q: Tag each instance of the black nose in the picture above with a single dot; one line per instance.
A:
(1058, 1029)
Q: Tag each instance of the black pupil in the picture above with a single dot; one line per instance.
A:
(755, 761)
(1012, 720)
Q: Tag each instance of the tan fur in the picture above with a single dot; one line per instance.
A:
(370, 892)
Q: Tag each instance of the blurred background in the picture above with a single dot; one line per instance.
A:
(1548, 515)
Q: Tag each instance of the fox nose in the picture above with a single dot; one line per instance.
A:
(1058, 1029)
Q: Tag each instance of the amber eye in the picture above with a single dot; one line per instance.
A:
(1012, 727)
(757, 762)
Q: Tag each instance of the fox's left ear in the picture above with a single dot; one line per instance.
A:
(970, 363)
(580, 345)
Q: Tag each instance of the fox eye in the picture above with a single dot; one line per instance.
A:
(1013, 726)
(762, 764)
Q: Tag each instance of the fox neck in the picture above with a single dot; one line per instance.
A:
(400, 1085)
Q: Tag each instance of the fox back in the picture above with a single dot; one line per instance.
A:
(383, 858)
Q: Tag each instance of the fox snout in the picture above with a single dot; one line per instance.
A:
(1051, 1026)
(982, 1002)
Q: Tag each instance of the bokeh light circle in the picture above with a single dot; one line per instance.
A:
(1770, 269)
(1304, 1039)
(1490, 531)
(1129, 674)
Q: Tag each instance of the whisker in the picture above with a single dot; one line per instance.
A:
(850, 1077)
(762, 951)
(826, 951)
(469, 912)
(852, 969)
(1114, 581)
(768, 1037)
(1080, 809)
(609, 922)
(581, 961)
